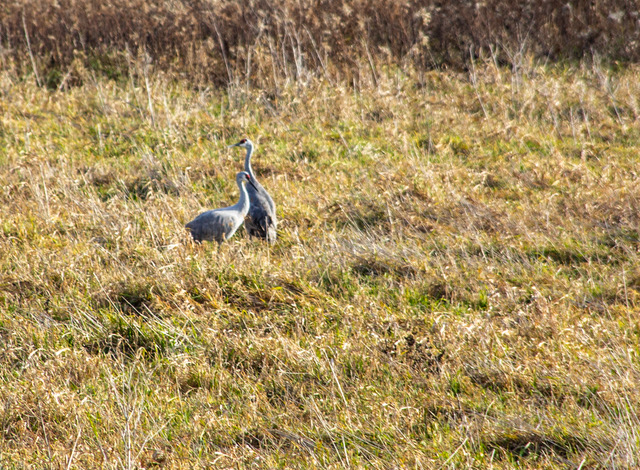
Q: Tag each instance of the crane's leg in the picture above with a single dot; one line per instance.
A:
(224, 237)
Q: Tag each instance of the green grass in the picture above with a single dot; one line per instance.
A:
(455, 283)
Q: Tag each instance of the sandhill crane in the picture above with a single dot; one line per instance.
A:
(221, 224)
(261, 222)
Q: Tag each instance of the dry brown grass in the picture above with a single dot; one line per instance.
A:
(455, 284)
(266, 42)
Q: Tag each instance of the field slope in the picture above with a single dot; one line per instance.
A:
(456, 282)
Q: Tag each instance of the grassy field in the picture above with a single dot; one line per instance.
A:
(456, 282)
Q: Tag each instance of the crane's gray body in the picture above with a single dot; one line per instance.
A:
(261, 221)
(221, 224)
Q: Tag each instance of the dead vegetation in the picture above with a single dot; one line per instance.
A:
(269, 43)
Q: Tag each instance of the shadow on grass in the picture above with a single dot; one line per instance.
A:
(128, 337)
(518, 444)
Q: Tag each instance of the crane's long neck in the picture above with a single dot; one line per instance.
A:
(243, 203)
(247, 162)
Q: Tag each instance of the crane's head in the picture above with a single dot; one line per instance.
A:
(243, 178)
(244, 143)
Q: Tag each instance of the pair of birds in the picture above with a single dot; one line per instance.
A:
(255, 208)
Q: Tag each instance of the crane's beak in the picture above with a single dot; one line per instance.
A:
(234, 145)
(251, 183)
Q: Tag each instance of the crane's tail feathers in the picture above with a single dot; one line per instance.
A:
(264, 229)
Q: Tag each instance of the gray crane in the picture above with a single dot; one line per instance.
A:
(221, 224)
(261, 222)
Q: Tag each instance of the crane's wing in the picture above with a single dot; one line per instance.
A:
(261, 197)
(211, 225)
(272, 205)
(261, 203)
